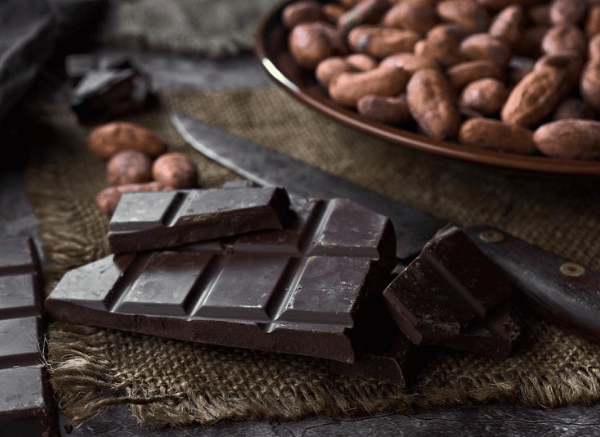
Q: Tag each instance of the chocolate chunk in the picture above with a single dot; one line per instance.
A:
(387, 355)
(154, 220)
(106, 89)
(298, 290)
(105, 86)
(453, 295)
(400, 362)
(107, 95)
(26, 407)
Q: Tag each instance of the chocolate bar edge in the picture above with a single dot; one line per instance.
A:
(334, 346)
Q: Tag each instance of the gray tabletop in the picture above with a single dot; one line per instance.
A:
(17, 218)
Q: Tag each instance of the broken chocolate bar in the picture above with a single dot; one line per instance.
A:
(155, 220)
(453, 295)
(299, 290)
(26, 407)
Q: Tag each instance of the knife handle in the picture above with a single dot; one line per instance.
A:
(560, 290)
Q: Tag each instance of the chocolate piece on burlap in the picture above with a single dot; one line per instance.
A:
(212, 28)
(171, 382)
(453, 295)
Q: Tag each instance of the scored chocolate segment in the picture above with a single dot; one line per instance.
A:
(261, 275)
(26, 407)
(453, 295)
(15, 303)
(20, 341)
(293, 239)
(17, 256)
(296, 290)
(154, 220)
(348, 231)
(24, 400)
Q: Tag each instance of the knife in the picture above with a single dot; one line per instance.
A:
(560, 290)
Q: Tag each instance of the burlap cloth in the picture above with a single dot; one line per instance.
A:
(173, 383)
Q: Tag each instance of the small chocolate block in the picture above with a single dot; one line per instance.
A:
(453, 295)
(299, 290)
(106, 89)
(387, 354)
(161, 219)
(99, 88)
(385, 366)
(26, 407)
(493, 338)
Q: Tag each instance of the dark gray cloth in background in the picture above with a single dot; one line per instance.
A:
(31, 31)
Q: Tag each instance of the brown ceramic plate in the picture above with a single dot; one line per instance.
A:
(272, 52)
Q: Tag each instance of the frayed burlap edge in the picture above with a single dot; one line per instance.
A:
(86, 389)
(88, 382)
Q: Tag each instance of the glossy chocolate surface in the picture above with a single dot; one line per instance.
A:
(298, 290)
(154, 220)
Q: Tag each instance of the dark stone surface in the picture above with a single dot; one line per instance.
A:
(494, 419)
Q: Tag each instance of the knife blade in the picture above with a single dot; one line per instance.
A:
(268, 167)
(560, 290)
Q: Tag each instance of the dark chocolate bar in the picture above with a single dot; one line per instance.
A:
(160, 219)
(299, 290)
(453, 295)
(26, 407)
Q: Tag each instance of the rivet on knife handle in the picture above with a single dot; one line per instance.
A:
(558, 289)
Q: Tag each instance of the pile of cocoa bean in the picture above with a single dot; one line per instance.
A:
(137, 160)
(513, 76)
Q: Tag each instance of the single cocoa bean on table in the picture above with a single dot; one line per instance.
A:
(108, 139)
(175, 170)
